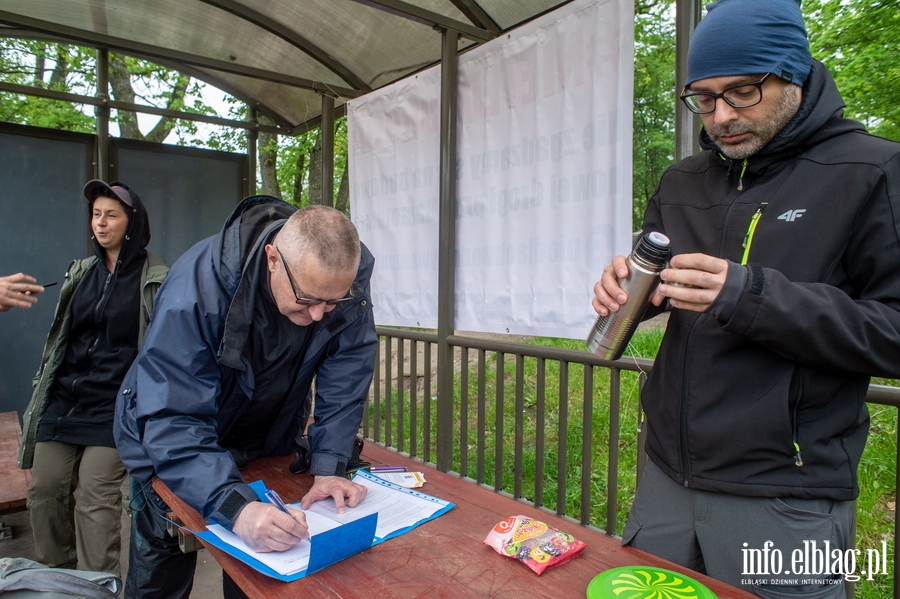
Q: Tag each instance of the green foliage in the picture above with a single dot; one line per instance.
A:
(227, 139)
(856, 39)
(853, 37)
(50, 66)
(654, 100)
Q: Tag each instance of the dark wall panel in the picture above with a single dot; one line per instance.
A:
(44, 220)
(188, 192)
(43, 227)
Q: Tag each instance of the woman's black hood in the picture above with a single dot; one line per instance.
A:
(134, 246)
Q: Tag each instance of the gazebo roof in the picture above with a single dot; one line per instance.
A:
(276, 55)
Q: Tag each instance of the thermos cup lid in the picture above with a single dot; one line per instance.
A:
(654, 248)
(658, 239)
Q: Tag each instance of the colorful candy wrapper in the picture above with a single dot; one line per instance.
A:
(533, 543)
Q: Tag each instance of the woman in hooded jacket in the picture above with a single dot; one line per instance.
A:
(75, 499)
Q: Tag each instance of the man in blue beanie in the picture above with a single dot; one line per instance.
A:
(785, 299)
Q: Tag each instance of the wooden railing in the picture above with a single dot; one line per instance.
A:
(548, 427)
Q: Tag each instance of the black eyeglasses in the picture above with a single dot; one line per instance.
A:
(744, 95)
(308, 301)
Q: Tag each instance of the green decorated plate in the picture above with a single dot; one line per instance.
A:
(645, 582)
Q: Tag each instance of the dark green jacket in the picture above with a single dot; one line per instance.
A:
(152, 276)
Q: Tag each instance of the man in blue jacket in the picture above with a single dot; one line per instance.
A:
(785, 299)
(245, 321)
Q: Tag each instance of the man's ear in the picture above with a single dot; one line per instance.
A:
(271, 257)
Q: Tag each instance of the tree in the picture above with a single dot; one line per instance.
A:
(654, 100)
(59, 67)
(856, 39)
(71, 68)
(160, 87)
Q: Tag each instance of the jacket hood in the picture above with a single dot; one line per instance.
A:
(819, 117)
(134, 246)
(236, 260)
(239, 237)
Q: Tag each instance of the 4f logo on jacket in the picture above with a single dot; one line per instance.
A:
(792, 215)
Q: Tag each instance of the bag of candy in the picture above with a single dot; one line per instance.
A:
(533, 543)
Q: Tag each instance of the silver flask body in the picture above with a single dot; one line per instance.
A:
(610, 334)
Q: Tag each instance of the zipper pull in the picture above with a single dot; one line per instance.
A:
(798, 459)
(748, 237)
(753, 220)
(640, 425)
(741, 177)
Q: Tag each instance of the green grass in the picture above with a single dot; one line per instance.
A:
(557, 446)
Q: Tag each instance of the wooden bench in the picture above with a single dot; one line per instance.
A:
(13, 481)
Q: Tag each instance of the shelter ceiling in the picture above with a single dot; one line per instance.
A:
(277, 55)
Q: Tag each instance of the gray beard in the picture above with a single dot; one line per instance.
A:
(762, 133)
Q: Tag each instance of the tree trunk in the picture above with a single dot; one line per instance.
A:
(61, 69)
(39, 66)
(315, 173)
(343, 197)
(298, 180)
(122, 91)
(164, 126)
(268, 159)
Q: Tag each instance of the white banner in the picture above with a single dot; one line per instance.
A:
(543, 176)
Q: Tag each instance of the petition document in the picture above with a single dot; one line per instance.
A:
(395, 509)
(285, 562)
(398, 508)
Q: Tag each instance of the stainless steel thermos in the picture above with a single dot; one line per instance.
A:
(611, 333)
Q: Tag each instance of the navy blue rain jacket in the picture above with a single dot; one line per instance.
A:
(190, 383)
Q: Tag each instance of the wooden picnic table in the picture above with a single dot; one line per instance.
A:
(443, 557)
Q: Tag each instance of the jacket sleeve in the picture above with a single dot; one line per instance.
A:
(170, 398)
(343, 378)
(853, 326)
(342, 387)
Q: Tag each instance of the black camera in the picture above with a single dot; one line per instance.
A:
(303, 456)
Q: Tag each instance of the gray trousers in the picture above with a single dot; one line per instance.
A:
(75, 506)
(775, 548)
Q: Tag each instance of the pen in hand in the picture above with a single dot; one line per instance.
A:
(49, 284)
(277, 501)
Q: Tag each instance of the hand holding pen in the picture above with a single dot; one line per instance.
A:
(265, 529)
(273, 496)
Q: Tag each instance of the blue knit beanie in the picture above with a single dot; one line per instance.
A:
(749, 37)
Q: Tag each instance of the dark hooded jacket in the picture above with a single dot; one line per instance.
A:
(763, 394)
(94, 338)
(194, 382)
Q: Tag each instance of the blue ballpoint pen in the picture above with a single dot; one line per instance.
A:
(276, 499)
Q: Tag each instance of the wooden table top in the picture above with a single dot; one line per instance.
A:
(444, 557)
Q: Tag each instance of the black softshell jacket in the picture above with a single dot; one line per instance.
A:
(764, 393)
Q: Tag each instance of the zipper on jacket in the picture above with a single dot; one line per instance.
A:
(795, 426)
(682, 432)
(744, 166)
(98, 312)
(741, 176)
(748, 238)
